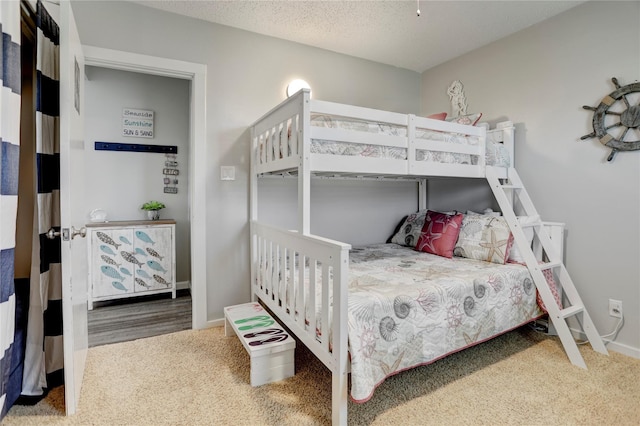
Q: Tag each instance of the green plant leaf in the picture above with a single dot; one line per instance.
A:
(153, 205)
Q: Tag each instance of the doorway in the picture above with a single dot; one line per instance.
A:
(119, 182)
(74, 297)
(195, 74)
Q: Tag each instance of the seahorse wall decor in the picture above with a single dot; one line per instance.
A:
(458, 99)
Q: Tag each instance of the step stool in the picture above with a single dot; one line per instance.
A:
(270, 347)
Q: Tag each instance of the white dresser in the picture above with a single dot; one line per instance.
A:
(131, 258)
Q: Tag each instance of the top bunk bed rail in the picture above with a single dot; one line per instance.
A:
(302, 135)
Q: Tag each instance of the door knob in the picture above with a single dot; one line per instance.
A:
(82, 232)
(52, 234)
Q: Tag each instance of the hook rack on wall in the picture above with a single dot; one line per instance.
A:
(171, 173)
(135, 147)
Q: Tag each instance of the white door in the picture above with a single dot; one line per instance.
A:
(72, 211)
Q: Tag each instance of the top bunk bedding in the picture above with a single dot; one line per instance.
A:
(343, 139)
(496, 154)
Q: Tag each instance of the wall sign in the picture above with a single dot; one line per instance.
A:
(137, 123)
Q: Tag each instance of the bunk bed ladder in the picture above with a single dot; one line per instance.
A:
(507, 193)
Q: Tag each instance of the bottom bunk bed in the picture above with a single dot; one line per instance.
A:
(378, 310)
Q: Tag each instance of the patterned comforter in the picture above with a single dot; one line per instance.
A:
(496, 153)
(408, 308)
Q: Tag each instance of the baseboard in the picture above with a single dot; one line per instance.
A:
(611, 345)
(215, 323)
(623, 349)
(211, 323)
(183, 285)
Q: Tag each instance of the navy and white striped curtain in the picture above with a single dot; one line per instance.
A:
(44, 357)
(10, 74)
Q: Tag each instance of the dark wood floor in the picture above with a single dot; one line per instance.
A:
(135, 318)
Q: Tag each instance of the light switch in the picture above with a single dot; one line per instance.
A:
(227, 173)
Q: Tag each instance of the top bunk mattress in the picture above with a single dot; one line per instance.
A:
(496, 152)
(327, 138)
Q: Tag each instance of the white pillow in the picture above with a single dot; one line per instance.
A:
(484, 237)
(486, 212)
(514, 254)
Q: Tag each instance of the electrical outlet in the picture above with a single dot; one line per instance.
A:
(615, 308)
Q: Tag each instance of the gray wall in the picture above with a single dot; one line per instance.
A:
(357, 212)
(246, 76)
(540, 78)
(120, 182)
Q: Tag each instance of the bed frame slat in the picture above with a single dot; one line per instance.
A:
(332, 256)
(280, 142)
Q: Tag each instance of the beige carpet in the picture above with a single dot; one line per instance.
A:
(202, 378)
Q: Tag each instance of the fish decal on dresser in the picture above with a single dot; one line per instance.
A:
(107, 259)
(125, 271)
(110, 271)
(107, 239)
(107, 250)
(142, 283)
(155, 265)
(140, 251)
(118, 285)
(154, 253)
(130, 258)
(125, 240)
(142, 236)
(143, 274)
(161, 280)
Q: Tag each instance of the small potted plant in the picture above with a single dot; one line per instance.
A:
(153, 209)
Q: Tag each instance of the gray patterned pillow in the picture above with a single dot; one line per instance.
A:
(408, 232)
(410, 229)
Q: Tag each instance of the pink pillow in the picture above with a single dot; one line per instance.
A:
(548, 275)
(439, 233)
(439, 116)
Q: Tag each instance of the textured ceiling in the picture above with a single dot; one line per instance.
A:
(385, 31)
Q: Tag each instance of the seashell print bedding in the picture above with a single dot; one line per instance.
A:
(496, 153)
(409, 308)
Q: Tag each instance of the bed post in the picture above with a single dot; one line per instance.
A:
(340, 353)
(253, 209)
(339, 397)
(508, 139)
(422, 194)
(304, 170)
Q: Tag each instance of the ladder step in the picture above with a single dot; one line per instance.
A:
(506, 202)
(509, 186)
(530, 225)
(549, 265)
(571, 311)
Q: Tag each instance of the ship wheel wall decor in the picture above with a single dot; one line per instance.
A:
(617, 104)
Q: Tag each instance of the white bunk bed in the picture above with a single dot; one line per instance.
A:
(305, 279)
